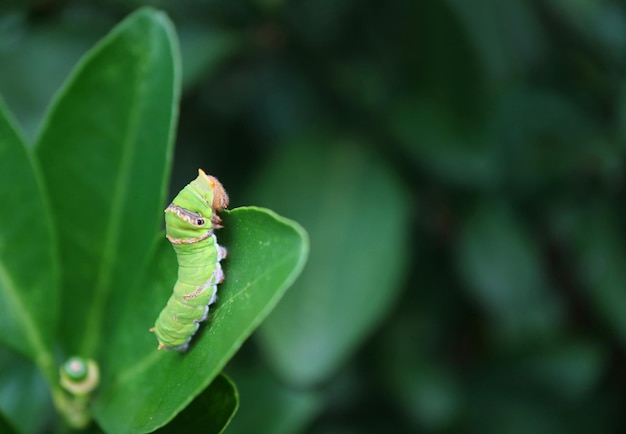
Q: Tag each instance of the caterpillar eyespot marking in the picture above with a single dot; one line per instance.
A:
(190, 221)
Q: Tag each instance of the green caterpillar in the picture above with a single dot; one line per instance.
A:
(189, 223)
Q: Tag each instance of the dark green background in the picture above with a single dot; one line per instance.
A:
(459, 166)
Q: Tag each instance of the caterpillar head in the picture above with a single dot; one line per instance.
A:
(220, 197)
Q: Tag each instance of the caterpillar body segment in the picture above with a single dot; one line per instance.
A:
(190, 221)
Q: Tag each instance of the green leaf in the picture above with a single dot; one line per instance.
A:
(37, 55)
(539, 152)
(5, 426)
(269, 406)
(600, 25)
(24, 393)
(415, 374)
(105, 150)
(570, 370)
(501, 262)
(440, 143)
(28, 268)
(550, 390)
(142, 388)
(210, 412)
(358, 215)
(428, 393)
(506, 35)
(600, 263)
(204, 49)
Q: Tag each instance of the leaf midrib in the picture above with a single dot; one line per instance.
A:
(42, 357)
(42, 354)
(103, 287)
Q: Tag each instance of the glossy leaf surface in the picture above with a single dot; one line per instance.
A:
(145, 388)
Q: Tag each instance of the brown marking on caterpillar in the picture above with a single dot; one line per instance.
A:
(189, 240)
(216, 278)
(194, 294)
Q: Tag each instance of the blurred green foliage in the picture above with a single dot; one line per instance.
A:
(490, 240)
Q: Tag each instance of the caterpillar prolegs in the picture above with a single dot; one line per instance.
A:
(190, 221)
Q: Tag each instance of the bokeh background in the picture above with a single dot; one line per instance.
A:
(459, 166)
